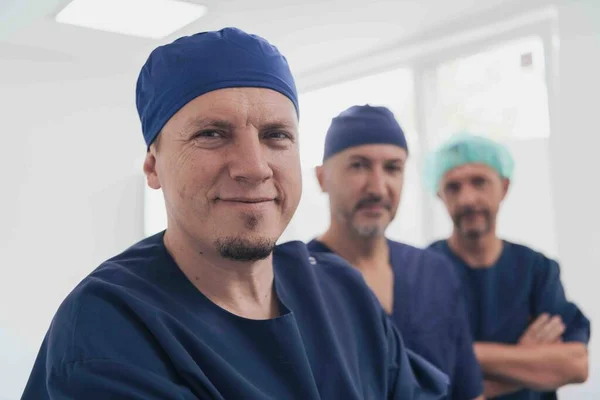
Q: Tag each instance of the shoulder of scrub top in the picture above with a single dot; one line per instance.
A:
(548, 292)
(335, 281)
(344, 284)
(321, 263)
(428, 262)
(436, 244)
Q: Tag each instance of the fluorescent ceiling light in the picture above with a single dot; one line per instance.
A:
(146, 18)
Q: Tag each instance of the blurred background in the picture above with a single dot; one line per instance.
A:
(73, 192)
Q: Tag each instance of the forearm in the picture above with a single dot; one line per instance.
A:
(494, 388)
(543, 367)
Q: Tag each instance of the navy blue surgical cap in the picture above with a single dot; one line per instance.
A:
(360, 125)
(191, 66)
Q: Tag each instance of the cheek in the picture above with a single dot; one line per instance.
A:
(396, 191)
(450, 205)
(287, 172)
(491, 199)
(295, 186)
(347, 194)
(187, 178)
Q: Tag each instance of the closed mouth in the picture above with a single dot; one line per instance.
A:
(246, 200)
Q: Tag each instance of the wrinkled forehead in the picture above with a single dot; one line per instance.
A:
(468, 172)
(376, 153)
(235, 108)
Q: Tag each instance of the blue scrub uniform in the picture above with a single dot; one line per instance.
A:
(504, 299)
(430, 313)
(137, 328)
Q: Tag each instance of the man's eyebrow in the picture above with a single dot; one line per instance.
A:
(395, 161)
(275, 125)
(356, 157)
(200, 123)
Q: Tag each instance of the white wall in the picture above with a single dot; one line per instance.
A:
(70, 195)
(574, 156)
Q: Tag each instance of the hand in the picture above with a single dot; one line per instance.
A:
(544, 330)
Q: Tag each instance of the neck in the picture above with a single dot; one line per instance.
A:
(480, 252)
(363, 253)
(243, 288)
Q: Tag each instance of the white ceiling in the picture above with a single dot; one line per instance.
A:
(311, 33)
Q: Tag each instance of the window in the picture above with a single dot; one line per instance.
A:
(501, 93)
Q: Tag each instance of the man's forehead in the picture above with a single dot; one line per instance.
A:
(467, 171)
(264, 106)
(375, 152)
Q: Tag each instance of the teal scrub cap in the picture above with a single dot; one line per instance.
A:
(466, 148)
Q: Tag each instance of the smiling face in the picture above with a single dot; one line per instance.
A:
(229, 167)
(364, 184)
(472, 194)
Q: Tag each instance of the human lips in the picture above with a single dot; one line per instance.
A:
(247, 200)
(373, 207)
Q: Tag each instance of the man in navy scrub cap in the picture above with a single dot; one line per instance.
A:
(363, 174)
(208, 309)
(529, 339)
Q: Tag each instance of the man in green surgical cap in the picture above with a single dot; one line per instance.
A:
(529, 339)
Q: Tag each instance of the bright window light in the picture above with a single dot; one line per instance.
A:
(145, 18)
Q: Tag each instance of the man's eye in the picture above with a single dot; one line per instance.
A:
(479, 182)
(208, 134)
(394, 168)
(277, 135)
(452, 188)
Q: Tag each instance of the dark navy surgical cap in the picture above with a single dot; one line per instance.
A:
(360, 125)
(191, 66)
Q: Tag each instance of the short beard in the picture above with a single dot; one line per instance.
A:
(364, 232)
(368, 232)
(238, 249)
(472, 234)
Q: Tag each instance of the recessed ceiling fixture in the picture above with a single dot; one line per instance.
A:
(145, 18)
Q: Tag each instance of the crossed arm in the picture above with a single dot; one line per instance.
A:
(540, 361)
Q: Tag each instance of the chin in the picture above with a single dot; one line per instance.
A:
(472, 233)
(244, 249)
(369, 231)
(251, 235)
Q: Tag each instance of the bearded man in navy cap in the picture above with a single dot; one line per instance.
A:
(363, 174)
(209, 309)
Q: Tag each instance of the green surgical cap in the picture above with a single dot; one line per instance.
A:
(465, 148)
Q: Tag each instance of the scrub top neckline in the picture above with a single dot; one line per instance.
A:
(452, 254)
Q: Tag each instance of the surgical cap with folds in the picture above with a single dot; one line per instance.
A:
(465, 148)
(191, 66)
(360, 125)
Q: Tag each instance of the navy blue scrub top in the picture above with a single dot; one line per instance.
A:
(137, 328)
(430, 313)
(505, 298)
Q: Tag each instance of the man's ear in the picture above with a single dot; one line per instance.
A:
(150, 169)
(320, 172)
(505, 187)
